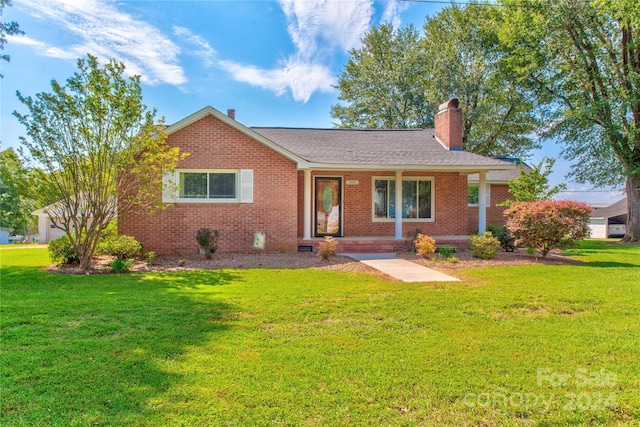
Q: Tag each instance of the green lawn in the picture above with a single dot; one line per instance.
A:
(546, 345)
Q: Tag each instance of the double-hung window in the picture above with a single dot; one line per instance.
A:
(417, 199)
(208, 186)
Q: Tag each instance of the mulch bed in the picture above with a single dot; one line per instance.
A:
(278, 260)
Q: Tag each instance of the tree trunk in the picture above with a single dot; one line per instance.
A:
(85, 257)
(633, 208)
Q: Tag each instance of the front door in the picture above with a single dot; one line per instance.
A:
(328, 206)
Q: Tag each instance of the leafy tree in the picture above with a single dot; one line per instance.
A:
(533, 184)
(397, 79)
(582, 59)
(548, 224)
(383, 82)
(101, 151)
(465, 60)
(16, 195)
(7, 29)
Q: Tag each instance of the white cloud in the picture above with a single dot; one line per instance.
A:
(102, 30)
(317, 29)
(392, 12)
(204, 51)
(42, 47)
(302, 78)
(335, 23)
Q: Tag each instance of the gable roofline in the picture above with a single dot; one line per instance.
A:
(615, 209)
(210, 111)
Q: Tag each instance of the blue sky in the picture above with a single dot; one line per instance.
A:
(274, 62)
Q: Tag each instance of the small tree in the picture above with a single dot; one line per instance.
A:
(548, 224)
(533, 185)
(101, 151)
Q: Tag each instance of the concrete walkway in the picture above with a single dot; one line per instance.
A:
(401, 269)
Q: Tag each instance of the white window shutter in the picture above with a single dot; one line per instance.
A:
(170, 187)
(246, 186)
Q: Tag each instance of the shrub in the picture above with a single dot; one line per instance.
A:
(327, 248)
(484, 245)
(502, 233)
(61, 251)
(121, 247)
(119, 265)
(150, 257)
(208, 238)
(445, 251)
(425, 245)
(548, 224)
(453, 260)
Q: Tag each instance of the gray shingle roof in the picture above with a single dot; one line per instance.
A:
(415, 147)
(618, 208)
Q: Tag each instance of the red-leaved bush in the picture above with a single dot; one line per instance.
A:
(548, 224)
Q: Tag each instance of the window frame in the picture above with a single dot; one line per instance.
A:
(237, 190)
(477, 185)
(414, 179)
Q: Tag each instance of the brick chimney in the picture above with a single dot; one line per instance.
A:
(231, 112)
(448, 125)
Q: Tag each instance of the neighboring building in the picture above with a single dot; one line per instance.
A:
(610, 221)
(47, 230)
(299, 185)
(497, 183)
(48, 217)
(4, 235)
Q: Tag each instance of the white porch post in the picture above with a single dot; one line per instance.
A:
(307, 205)
(398, 234)
(482, 202)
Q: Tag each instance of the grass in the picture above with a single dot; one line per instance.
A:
(530, 345)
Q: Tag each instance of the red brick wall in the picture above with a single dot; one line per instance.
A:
(451, 212)
(498, 194)
(215, 145)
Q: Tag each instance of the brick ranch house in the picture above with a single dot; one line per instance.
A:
(299, 185)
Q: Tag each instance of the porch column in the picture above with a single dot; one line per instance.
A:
(306, 233)
(482, 202)
(398, 234)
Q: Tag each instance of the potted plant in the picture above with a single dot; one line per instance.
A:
(208, 241)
